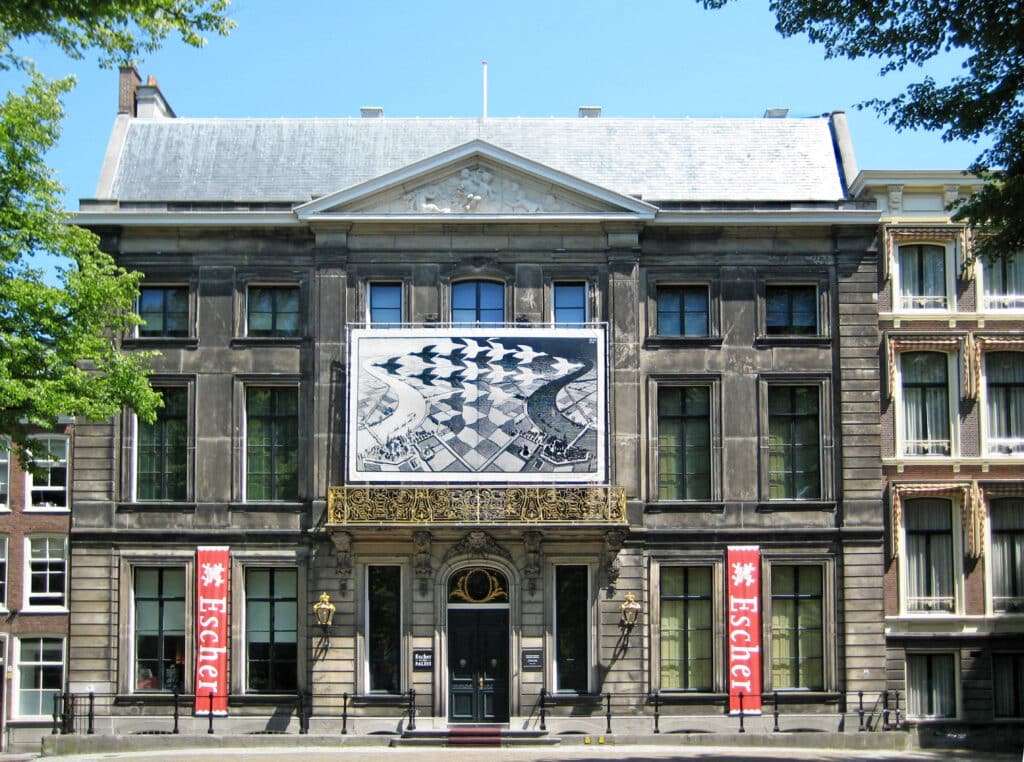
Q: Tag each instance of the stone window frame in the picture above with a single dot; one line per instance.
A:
(362, 624)
(592, 604)
(366, 292)
(129, 480)
(241, 385)
(791, 276)
(158, 279)
(449, 284)
(589, 298)
(246, 279)
(662, 277)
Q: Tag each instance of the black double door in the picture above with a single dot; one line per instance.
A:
(478, 665)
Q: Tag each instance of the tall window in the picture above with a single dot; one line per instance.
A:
(926, 416)
(684, 443)
(686, 636)
(273, 311)
(47, 567)
(683, 311)
(3, 571)
(1008, 684)
(271, 443)
(385, 304)
(40, 674)
(1006, 517)
(159, 629)
(923, 278)
(162, 468)
(1003, 281)
(164, 311)
(570, 303)
(5, 474)
(48, 485)
(1004, 389)
(797, 627)
(931, 680)
(384, 628)
(572, 629)
(478, 301)
(794, 471)
(270, 629)
(929, 530)
(791, 310)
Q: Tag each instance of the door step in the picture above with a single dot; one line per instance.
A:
(475, 736)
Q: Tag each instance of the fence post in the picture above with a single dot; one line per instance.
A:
(344, 714)
(210, 715)
(543, 695)
(412, 709)
(69, 713)
(92, 713)
(56, 712)
(860, 710)
(897, 709)
(177, 709)
(885, 710)
(742, 729)
(608, 712)
(775, 707)
(657, 714)
(301, 709)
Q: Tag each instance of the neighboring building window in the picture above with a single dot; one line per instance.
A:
(164, 311)
(922, 278)
(572, 629)
(1004, 391)
(40, 675)
(1006, 518)
(798, 638)
(1008, 684)
(159, 629)
(791, 310)
(385, 303)
(273, 311)
(5, 474)
(794, 471)
(929, 531)
(162, 469)
(384, 628)
(570, 303)
(931, 681)
(926, 414)
(271, 629)
(683, 311)
(685, 628)
(271, 443)
(684, 443)
(47, 567)
(3, 572)
(48, 478)
(478, 301)
(1003, 280)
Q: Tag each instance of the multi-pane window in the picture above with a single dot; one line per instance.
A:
(1003, 280)
(271, 443)
(791, 310)
(273, 311)
(931, 681)
(385, 304)
(572, 629)
(271, 629)
(683, 311)
(478, 301)
(684, 443)
(1008, 684)
(5, 474)
(3, 572)
(1006, 518)
(1004, 390)
(48, 477)
(570, 303)
(926, 415)
(798, 640)
(164, 311)
(685, 627)
(159, 629)
(384, 628)
(40, 674)
(47, 567)
(929, 532)
(162, 470)
(794, 470)
(922, 270)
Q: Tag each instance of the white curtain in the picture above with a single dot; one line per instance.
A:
(929, 554)
(1005, 378)
(1007, 521)
(925, 401)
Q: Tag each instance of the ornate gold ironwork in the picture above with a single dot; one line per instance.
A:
(476, 505)
(477, 585)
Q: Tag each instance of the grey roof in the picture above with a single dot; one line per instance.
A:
(294, 160)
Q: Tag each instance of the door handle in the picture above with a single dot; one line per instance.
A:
(481, 682)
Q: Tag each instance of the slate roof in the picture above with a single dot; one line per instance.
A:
(295, 160)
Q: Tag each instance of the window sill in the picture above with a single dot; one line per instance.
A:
(568, 697)
(157, 698)
(47, 509)
(242, 342)
(801, 696)
(690, 697)
(156, 505)
(291, 506)
(32, 610)
(668, 342)
(817, 340)
(684, 506)
(262, 699)
(161, 342)
(797, 505)
(380, 699)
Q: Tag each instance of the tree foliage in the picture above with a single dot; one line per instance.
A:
(985, 102)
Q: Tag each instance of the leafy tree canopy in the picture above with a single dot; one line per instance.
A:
(986, 101)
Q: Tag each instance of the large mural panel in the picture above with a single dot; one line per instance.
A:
(466, 404)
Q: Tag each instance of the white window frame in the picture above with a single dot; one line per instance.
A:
(404, 657)
(984, 305)
(368, 315)
(27, 581)
(5, 550)
(592, 629)
(47, 463)
(957, 692)
(950, 260)
(958, 567)
(990, 609)
(1016, 446)
(952, 402)
(587, 316)
(6, 454)
(16, 688)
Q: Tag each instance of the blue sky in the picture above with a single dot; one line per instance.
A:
(666, 59)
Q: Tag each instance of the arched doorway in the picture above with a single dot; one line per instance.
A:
(478, 645)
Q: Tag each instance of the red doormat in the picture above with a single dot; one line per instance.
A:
(474, 735)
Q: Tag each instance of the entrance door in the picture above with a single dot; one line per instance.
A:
(478, 665)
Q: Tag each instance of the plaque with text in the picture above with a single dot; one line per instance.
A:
(533, 660)
(422, 661)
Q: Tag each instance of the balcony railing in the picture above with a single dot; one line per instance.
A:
(929, 604)
(1005, 446)
(476, 505)
(927, 447)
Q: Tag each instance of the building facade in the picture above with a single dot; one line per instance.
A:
(540, 411)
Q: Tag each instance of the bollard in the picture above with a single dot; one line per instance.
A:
(543, 695)
(177, 710)
(860, 710)
(56, 712)
(657, 705)
(412, 709)
(608, 712)
(92, 714)
(344, 714)
(775, 707)
(210, 731)
(742, 729)
(885, 710)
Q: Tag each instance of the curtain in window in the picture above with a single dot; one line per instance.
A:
(1007, 521)
(923, 277)
(1008, 684)
(932, 685)
(925, 403)
(1005, 378)
(929, 527)
(686, 628)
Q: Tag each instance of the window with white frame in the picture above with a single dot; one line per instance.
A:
(923, 277)
(1004, 403)
(572, 629)
(686, 616)
(40, 675)
(3, 571)
(1006, 522)
(5, 475)
(927, 414)
(1003, 284)
(930, 564)
(47, 480)
(931, 685)
(384, 303)
(569, 303)
(46, 571)
(1008, 684)
(271, 629)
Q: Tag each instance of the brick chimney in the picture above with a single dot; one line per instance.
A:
(128, 84)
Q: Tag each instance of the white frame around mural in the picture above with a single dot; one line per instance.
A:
(452, 405)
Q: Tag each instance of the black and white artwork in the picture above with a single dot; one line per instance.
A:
(466, 404)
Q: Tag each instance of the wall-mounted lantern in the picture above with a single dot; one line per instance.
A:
(324, 611)
(630, 612)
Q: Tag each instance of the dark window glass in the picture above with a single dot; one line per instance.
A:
(159, 629)
(385, 303)
(1008, 684)
(932, 690)
(683, 311)
(164, 310)
(923, 278)
(791, 310)
(797, 628)
(163, 450)
(925, 403)
(929, 529)
(3, 572)
(272, 443)
(1006, 517)
(270, 629)
(684, 443)
(47, 568)
(570, 300)
(1004, 378)
(686, 634)
(273, 311)
(478, 301)
(384, 634)
(794, 470)
(572, 628)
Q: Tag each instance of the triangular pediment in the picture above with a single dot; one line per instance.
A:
(475, 180)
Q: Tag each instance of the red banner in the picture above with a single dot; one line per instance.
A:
(744, 629)
(213, 566)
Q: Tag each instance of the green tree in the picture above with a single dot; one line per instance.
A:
(985, 102)
(59, 352)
